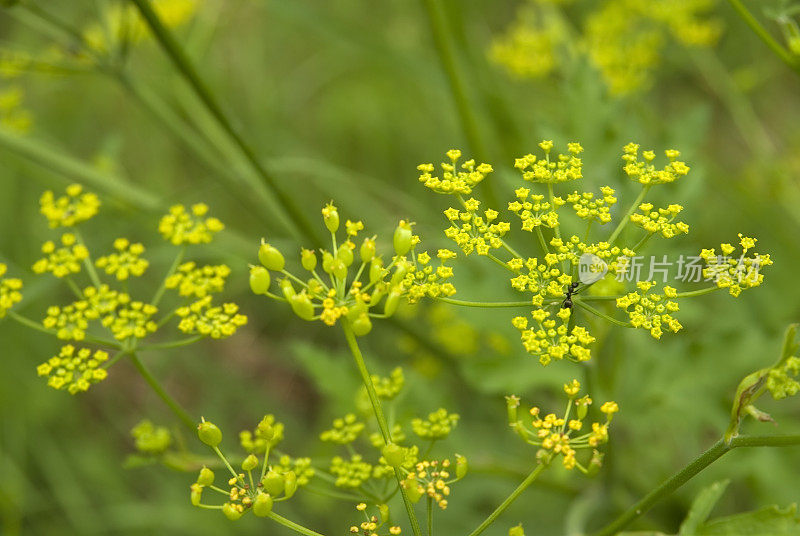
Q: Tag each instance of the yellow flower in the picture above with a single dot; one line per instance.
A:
(9, 291)
(183, 227)
(74, 370)
(125, 262)
(70, 209)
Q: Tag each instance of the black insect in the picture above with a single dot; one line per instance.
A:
(571, 289)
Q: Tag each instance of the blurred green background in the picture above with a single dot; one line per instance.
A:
(341, 100)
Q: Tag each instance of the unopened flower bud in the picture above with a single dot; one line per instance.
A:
(250, 463)
(259, 279)
(345, 253)
(331, 217)
(273, 483)
(368, 249)
(289, 484)
(206, 477)
(461, 466)
(231, 512)
(308, 259)
(209, 433)
(262, 506)
(197, 494)
(302, 306)
(362, 325)
(270, 257)
(402, 237)
(375, 270)
(393, 454)
(286, 288)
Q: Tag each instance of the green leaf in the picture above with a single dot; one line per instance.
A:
(702, 506)
(769, 521)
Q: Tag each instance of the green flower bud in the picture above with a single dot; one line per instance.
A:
(327, 262)
(270, 257)
(339, 269)
(345, 253)
(461, 466)
(402, 237)
(308, 259)
(302, 306)
(206, 477)
(331, 217)
(375, 270)
(356, 310)
(412, 490)
(262, 506)
(394, 455)
(209, 433)
(265, 428)
(516, 531)
(581, 411)
(377, 294)
(289, 484)
(273, 483)
(259, 279)
(392, 302)
(231, 512)
(400, 271)
(595, 463)
(286, 288)
(197, 494)
(368, 249)
(250, 463)
(362, 325)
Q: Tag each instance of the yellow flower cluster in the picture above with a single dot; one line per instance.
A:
(552, 341)
(256, 442)
(133, 320)
(651, 310)
(189, 227)
(70, 321)
(557, 435)
(74, 370)
(70, 209)
(62, 261)
(781, 382)
(125, 262)
(534, 210)
(344, 431)
(735, 273)
(526, 48)
(646, 173)
(437, 426)
(350, 473)
(103, 300)
(341, 295)
(389, 387)
(191, 280)
(589, 208)
(566, 167)
(625, 38)
(9, 291)
(453, 180)
(431, 478)
(372, 524)
(659, 220)
(473, 231)
(216, 321)
(301, 467)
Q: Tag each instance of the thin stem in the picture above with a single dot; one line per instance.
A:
(292, 525)
(626, 218)
(87, 262)
(25, 321)
(442, 39)
(172, 344)
(430, 516)
(163, 286)
(225, 461)
(602, 315)
(764, 35)
(711, 455)
(376, 408)
(542, 242)
(176, 408)
(465, 303)
(510, 499)
(181, 61)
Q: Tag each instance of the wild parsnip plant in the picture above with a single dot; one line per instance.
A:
(594, 269)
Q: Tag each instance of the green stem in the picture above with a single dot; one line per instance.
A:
(711, 455)
(376, 408)
(510, 499)
(764, 35)
(184, 65)
(163, 286)
(176, 408)
(87, 262)
(25, 321)
(626, 218)
(602, 315)
(292, 525)
(442, 39)
(430, 516)
(465, 303)
(171, 344)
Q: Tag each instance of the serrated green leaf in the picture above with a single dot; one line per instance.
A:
(702, 506)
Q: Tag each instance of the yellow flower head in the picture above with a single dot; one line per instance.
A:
(189, 227)
(70, 209)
